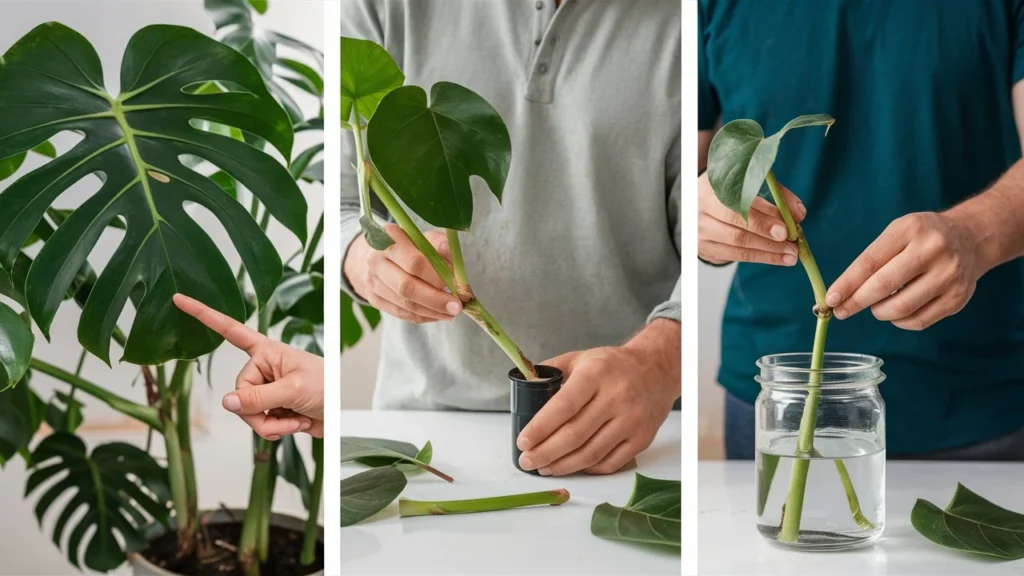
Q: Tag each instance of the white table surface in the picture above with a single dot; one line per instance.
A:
(476, 450)
(730, 544)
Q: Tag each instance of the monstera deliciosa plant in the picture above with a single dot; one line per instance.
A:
(194, 123)
(423, 151)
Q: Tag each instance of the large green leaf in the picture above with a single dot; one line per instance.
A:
(651, 516)
(369, 492)
(16, 341)
(10, 165)
(51, 81)
(21, 413)
(351, 326)
(368, 73)
(236, 28)
(426, 154)
(972, 524)
(740, 157)
(107, 486)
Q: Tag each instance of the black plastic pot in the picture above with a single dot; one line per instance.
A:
(528, 397)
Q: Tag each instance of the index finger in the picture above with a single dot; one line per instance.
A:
(232, 330)
(565, 404)
(877, 255)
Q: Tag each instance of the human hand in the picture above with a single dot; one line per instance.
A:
(400, 280)
(610, 407)
(923, 268)
(280, 390)
(723, 236)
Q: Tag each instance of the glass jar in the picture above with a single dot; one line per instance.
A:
(823, 489)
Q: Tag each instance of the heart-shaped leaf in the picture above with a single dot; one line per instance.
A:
(740, 157)
(236, 28)
(16, 341)
(426, 153)
(50, 81)
(972, 524)
(651, 516)
(369, 492)
(368, 73)
(108, 487)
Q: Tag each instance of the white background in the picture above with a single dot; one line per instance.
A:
(222, 442)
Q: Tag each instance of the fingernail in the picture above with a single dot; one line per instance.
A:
(525, 463)
(544, 471)
(789, 260)
(273, 438)
(305, 424)
(833, 299)
(232, 403)
(839, 314)
(524, 443)
(790, 249)
(454, 308)
(778, 232)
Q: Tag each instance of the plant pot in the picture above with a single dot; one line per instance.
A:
(227, 519)
(528, 397)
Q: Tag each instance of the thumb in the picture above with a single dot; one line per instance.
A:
(564, 362)
(261, 398)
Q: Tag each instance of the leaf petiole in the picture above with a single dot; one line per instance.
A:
(408, 508)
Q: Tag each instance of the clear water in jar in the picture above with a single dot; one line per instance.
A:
(827, 522)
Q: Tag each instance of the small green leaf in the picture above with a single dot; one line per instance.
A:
(651, 516)
(259, 5)
(304, 335)
(426, 153)
(375, 235)
(972, 524)
(10, 165)
(740, 158)
(368, 73)
(369, 492)
(16, 341)
(308, 78)
(382, 452)
(299, 295)
(46, 149)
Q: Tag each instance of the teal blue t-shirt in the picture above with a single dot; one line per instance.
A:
(921, 95)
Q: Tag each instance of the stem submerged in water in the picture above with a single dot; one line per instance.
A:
(793, 510)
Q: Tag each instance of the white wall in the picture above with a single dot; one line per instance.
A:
(222, 443)
(359, 371)
(712, 290)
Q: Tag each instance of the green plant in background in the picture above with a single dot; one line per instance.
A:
(423, 154)
(390, 461)
(651, 516)
(739, 163)
(187, 102)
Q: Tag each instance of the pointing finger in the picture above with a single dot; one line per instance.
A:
(238, 334)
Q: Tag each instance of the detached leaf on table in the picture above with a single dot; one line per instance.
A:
(651, 515)
(379, 452)
(972, 524)
(369, 492)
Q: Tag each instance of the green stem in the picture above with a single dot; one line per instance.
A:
(790, 531)
(307, 260)
(407, 508)
(311, 536)
(463, 291)
(258, 512)
(145, 414)
(181, 382)
(475, 310)
(403, 220)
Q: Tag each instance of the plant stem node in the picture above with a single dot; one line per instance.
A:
(822, 311)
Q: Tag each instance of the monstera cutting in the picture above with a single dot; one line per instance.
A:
(194, 129)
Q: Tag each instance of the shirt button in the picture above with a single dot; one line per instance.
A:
(542, 69)
(540, 5)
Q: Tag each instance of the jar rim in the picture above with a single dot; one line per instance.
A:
(842, 370)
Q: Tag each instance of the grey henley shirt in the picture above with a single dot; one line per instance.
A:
(585, 249)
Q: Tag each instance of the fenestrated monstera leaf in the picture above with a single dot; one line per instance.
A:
(426, 154)
(236, 28)
(108, 485)
(740, 157)
(51, 81)
(16, 343)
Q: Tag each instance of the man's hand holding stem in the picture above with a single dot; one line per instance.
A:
(613, 402)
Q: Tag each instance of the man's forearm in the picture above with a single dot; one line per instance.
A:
(996, 218)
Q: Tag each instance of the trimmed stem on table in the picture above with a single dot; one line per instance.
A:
(793, 510)
(407, 508)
